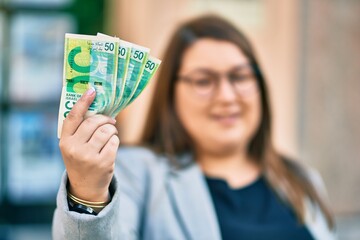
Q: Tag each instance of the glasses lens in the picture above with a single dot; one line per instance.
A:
(242, 78)
(203, 83)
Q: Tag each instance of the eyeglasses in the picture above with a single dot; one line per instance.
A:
(205, 82)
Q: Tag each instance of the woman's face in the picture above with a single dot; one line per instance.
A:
(216, 97)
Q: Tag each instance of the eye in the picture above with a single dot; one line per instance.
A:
(238, 77)
(202, 82)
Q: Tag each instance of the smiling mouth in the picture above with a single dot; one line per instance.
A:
(227, 119)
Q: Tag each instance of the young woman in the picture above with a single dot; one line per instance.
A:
(208, 171)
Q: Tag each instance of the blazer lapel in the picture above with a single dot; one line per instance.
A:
(192, 202)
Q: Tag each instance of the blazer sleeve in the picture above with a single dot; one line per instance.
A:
(121, 218)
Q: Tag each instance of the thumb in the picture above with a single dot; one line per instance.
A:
(77, 113)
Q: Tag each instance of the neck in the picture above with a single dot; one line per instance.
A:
(235, 167)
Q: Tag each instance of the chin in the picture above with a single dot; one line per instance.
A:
(231, 136)
(227, 144)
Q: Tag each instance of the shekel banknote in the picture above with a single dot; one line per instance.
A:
(89, 61)
(118, 70)
(122, 70)
(151, 66)
(138, 57)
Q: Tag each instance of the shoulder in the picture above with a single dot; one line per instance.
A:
(316, 201)
(306, 173)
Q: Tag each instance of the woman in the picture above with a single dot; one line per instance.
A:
(209, 170)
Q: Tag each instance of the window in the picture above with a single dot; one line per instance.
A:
(31, 62)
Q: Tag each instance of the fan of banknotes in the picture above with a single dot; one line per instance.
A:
(118, 70)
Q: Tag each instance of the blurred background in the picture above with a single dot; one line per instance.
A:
(309, 50)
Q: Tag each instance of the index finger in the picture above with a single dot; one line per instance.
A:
(77, 113)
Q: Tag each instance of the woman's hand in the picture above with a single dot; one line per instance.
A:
(88, 147)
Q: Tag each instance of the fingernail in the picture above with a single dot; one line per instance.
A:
(114, 120)
(90, 91)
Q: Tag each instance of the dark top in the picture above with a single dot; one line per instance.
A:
(253, 212)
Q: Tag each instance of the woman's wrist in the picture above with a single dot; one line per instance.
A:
(84, 206)
(80, 208)
(89, 194)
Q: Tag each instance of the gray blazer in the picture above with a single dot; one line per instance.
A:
(153, 201)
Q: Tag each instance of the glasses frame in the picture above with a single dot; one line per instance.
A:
(218, 76)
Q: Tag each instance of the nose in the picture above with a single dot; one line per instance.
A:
(225, 91)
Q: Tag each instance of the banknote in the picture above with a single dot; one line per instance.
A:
(137, 63)
(150, 69)
(118, 71)
(123, 66)
(122, 70)
(89, 61)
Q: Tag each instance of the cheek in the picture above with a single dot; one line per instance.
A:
(254, 113)
(190, 111)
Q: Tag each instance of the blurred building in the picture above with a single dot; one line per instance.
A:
(31, 63)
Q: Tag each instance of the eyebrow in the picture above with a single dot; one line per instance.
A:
(209, 70)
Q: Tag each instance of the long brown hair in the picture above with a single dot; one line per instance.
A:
(165, 134)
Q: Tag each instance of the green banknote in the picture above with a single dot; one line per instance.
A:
(89, 61)
(137, 62)
(152, 64)
(122, 70)
(123, 66)
(117, 70)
